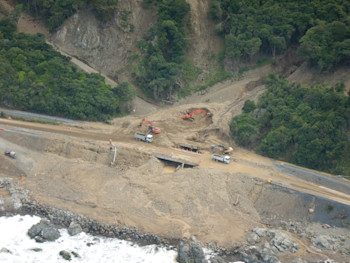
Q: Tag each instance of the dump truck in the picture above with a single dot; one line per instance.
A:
(143, 137)
(221, 158)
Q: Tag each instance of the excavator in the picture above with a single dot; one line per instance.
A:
(151, 127)
(227, 150)
(188, 115)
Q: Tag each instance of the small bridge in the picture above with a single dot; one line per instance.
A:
(171, 160)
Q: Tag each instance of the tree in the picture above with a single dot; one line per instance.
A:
(300, 124)
(125, 91)
(249, 106)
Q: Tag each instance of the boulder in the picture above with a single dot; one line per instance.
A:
(44, 231)
(253, 239)
(217, 259)
(66, 255)
(190, 252)
(253, 254)
(283, 242)
(323, 242)
(74, 229)
(261, 232)
(5, 250)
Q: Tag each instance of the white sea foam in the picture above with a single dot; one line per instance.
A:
(14, 238)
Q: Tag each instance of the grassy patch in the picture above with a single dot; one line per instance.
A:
(36, 120)
(330, 208)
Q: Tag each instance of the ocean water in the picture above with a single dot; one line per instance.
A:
(14, 238)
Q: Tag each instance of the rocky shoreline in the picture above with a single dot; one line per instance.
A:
(20, 203)
(262, 244)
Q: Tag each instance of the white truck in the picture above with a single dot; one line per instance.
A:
(143, 137)
(221, 158)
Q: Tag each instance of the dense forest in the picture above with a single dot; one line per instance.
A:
(301, 124)
(36, 78)
(164, 48)
(55, 12)
(320, 29)
(251, 30)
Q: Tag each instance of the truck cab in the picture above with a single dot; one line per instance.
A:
(226, 159)
(149, 138)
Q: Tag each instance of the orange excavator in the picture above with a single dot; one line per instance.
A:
(151, 127)
(188, 115)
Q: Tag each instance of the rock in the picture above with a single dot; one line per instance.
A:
(36, 249)
(283, 242)
(261, 232)
(268, 256)
(253, 239)
(74, 229)
(217, 259)
(190, 252)
(44, 231)
(66, 255)
(5, 250)
(323, 242)
(254, 255)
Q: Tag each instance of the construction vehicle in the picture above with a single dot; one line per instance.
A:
(11, 154)
(151, 127)
(187, 147)
(221, 158)
(188, 115)
(143, 137)
(227, 150)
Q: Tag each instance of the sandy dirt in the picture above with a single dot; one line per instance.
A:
(68, 166)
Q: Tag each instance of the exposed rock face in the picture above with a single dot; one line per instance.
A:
(274, 242)
(338, 243)
(44, 231)
(105, 47)
(190, 252)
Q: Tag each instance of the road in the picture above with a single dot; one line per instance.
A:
(259, 167)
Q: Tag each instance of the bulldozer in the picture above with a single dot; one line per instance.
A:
(151, 128)
(188, 115)
(226, 150)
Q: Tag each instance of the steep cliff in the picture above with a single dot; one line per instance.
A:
(108, 48)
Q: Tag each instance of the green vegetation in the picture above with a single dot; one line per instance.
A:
(34, 77)
(304, 125)
(269, 27)
(163, 48)
(55, 12)
(5, 116)
(330, 208)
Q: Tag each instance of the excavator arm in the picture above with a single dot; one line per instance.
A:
(188, 115)
(151, 127)
(226, 150)
(198, 111)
